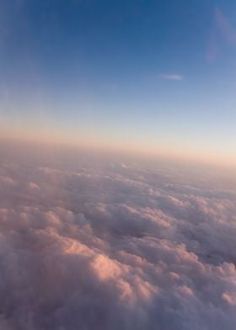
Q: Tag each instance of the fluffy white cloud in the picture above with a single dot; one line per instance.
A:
(109, 246)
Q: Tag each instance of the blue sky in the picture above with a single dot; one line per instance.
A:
(157, 73)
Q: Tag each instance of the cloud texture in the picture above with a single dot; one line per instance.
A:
(114, 246)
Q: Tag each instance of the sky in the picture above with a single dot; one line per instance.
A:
(152, 76)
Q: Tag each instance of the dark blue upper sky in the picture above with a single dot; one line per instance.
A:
(161, 70)
(109, 38)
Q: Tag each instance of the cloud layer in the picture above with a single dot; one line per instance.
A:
(109, 245)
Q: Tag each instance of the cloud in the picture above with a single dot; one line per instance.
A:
(222, 33)
(174, 77)
(93, 246)
(225, 27)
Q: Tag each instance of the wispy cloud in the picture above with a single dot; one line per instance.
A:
(222, 33)
(175, 77)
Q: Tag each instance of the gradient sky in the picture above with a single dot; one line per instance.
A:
(147, 74)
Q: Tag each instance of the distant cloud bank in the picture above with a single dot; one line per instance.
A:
(114, 246)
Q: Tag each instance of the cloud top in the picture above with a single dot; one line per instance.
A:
(99, 245)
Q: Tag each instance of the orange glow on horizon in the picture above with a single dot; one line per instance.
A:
(168, 151)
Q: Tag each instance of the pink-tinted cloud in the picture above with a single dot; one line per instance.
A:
(111, 247)
(222, 32)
